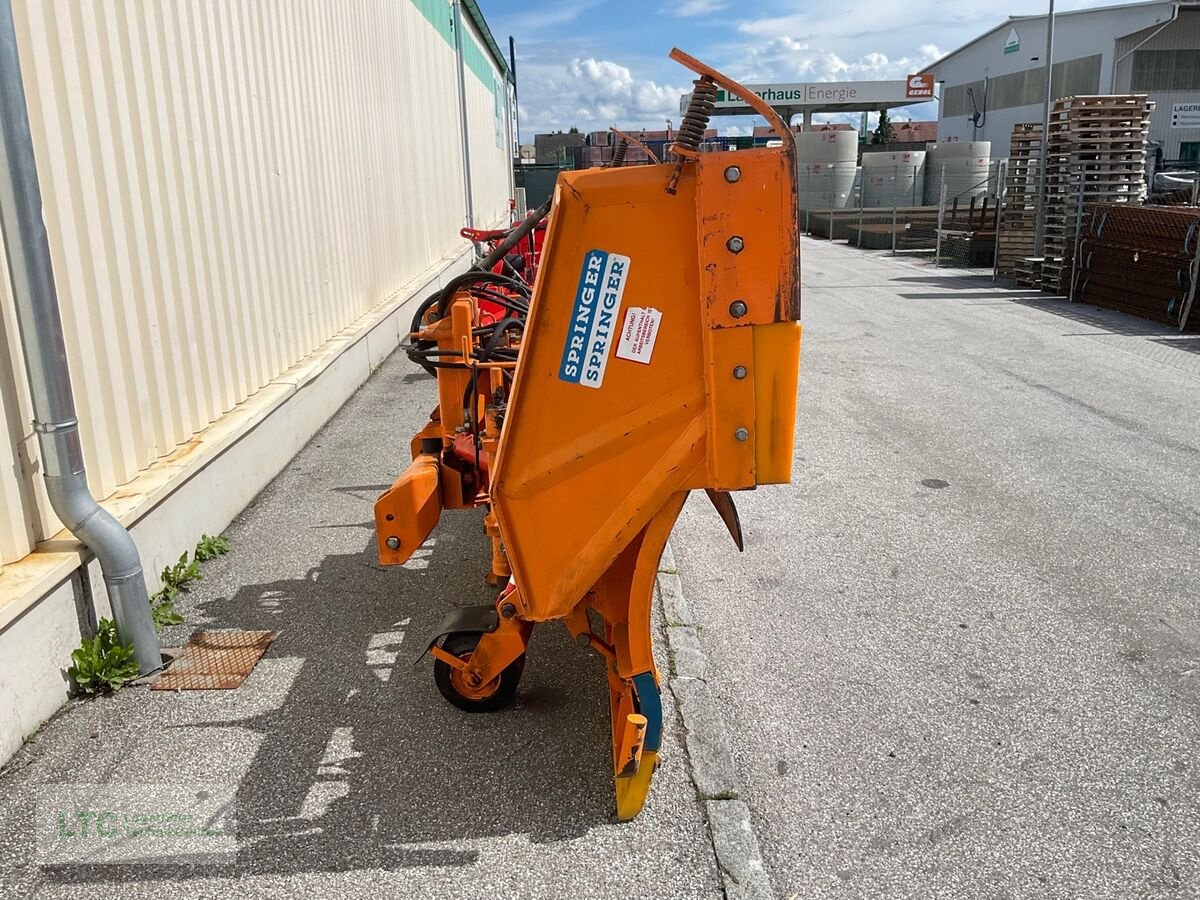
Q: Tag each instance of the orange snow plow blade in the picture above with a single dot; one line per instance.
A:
(657, 353)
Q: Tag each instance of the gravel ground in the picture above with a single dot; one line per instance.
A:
(354, 777)
(959, 657)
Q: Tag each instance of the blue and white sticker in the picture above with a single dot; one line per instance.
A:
(595, 318)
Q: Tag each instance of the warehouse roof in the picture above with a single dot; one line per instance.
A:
(1007, 23)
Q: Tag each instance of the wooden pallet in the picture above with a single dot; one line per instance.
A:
(1019, 212)
(1096, 146)
(1027, 271)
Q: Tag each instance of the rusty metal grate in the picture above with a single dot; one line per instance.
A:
(215, 660)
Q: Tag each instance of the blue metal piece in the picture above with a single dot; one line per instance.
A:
(650, 706)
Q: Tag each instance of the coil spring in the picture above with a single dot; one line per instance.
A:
(618, 157)
(700, 109)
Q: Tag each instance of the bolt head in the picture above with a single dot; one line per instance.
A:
(735, 244)
(508, 610)
(393, 543)
(739, 372)
(583, 640)
(737, 308)
(742, 434)
(733, 174)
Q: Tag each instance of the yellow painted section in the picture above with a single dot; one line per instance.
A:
(632, 790)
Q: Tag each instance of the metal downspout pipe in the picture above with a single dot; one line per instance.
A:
(1112, 83)
(460, 37)
(44, 351)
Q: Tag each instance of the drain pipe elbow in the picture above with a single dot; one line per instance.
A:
(119, 559)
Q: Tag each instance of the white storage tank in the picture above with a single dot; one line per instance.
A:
(964, 165)
(827, 161)
(893, 178)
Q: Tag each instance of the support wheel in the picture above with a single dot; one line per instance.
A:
(496, 694)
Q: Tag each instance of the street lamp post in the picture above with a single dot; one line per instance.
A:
(1039, 234)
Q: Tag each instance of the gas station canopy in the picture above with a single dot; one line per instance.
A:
(826, 97)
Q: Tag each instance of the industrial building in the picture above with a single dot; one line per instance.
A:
(557, 147)
(998, 80)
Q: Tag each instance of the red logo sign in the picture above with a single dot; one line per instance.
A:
(919, 86)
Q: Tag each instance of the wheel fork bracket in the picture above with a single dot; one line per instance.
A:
(473, 619)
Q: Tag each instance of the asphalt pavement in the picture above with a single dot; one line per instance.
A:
(960, 656)
(352, 776)
(957, 659)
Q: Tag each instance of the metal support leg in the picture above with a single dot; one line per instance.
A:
(623, 596)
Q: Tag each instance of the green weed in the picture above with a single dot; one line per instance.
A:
(210, 547)
(102, 664)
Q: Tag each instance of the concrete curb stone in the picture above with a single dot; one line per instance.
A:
(706, 739)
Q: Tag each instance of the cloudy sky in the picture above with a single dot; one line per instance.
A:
(595, 63)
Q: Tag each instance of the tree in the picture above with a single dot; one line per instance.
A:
(883, 131)
(573, 130)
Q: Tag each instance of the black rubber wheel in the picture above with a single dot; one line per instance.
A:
(462, 644)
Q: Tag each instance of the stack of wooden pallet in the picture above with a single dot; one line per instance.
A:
(1096, 154)
(1020, 202)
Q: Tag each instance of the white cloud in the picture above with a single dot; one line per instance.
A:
(548, 17)
(790, 59)
(566, 83)
(688, 8)
(592, 94)
(877, 21)
(567, 78)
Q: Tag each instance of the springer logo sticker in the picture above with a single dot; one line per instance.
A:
(594, 318)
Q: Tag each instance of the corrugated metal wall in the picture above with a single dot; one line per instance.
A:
(1182, 34)
(487, 112)
(228, 184)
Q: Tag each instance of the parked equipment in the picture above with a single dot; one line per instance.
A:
(656, 353)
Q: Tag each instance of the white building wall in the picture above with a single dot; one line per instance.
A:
(1076, 35)
(487, 104)
(228, 185)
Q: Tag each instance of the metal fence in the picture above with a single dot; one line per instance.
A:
(959, 230)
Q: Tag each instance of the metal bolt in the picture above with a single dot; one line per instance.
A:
(737, 308)
(584, 640)
(735, 244)
(393, 543)
(739, 372)
(508, 610)
(742, 434)
(732, 174)
(474, 678)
